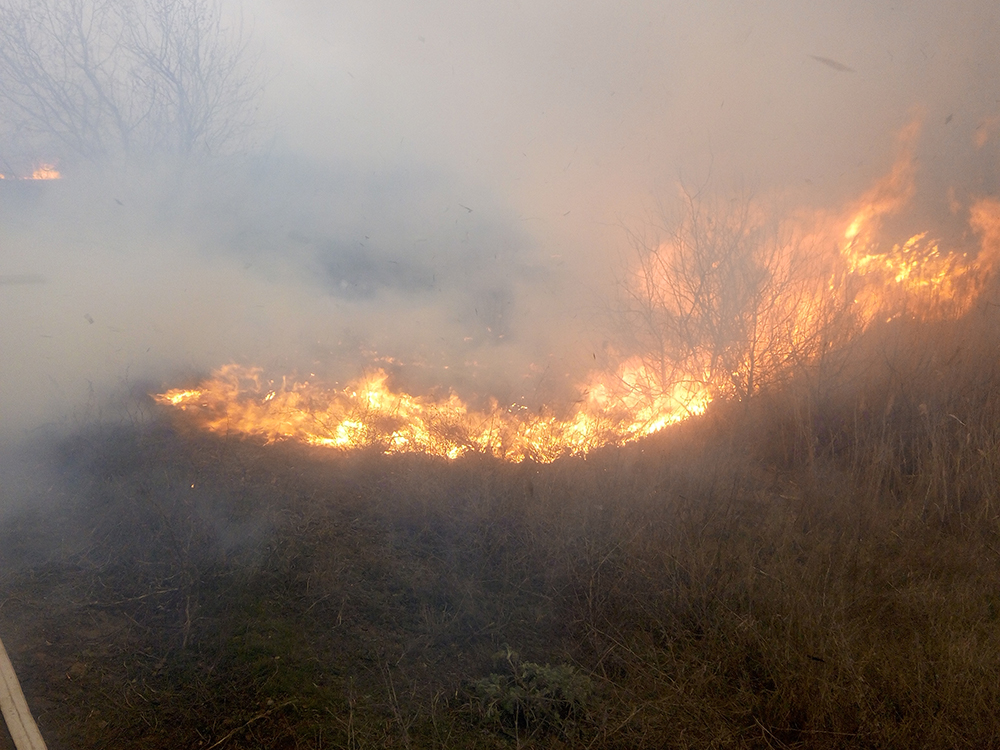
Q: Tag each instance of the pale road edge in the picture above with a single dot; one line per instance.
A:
(20, 723)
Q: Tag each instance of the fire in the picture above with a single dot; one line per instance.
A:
(936, 282)
(41, 172)
(825, 278)
(368, 413)
(46, 172)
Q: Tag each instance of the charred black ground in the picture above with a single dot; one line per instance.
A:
(818, 568)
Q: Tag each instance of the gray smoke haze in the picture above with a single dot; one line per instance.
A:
(446, 184)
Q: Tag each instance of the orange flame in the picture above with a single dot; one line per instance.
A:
(915, 276)
(839, 270)
(367, 413)
(46, 172)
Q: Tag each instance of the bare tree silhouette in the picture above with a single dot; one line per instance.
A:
(98, 79)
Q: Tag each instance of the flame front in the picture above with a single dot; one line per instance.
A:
(367, 413)
(829, 279)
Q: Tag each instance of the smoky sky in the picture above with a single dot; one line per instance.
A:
(568, 106)
(447, 184)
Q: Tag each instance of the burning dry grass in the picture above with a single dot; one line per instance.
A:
(368, 413)
(725, 301)
(815, 569)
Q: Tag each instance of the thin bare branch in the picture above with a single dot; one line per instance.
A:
(97, 79)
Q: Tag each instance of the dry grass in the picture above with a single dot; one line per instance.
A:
(819, 569)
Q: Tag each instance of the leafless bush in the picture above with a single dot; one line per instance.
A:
(724, 294)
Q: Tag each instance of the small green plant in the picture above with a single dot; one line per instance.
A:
(533, 697)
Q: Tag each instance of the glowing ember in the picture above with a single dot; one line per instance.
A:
(825, 278)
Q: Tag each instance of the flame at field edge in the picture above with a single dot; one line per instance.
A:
(368, 413)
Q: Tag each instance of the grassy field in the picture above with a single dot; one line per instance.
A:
(817, 568)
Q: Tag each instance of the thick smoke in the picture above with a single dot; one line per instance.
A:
(442, 190)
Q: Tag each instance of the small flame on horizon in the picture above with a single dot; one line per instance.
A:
(43, 171)
(46, 172)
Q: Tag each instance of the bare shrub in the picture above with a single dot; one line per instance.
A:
(724, 295)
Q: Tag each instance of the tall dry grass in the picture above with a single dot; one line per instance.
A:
(817, 568)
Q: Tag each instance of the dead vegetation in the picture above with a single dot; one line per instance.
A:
(819, 568)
